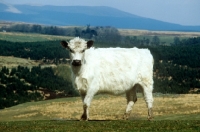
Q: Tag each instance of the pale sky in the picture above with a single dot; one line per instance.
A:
(184, 12)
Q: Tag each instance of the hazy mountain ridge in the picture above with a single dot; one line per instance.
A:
(83, 15)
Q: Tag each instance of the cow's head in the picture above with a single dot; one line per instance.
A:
(77, 47)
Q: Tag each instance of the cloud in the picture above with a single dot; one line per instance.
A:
(11, 8)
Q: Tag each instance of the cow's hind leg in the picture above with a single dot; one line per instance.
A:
(148, 96)
(131, 99)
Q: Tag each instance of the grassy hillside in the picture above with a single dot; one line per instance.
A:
(166, 37)
(10, 62)
(29, 37)
(133, 32)
(105, 107)
(171, 113)
(23, 80)
(176, 67)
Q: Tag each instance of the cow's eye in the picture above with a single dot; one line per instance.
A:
(82, 51)
(71, 51)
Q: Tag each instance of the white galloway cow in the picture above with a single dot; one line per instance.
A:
(110, 70)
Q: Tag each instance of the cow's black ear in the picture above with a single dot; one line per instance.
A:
(64, 44)
(89, 43)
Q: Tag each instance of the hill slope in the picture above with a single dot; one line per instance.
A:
(105, 107)
(10, 62)
(82, 15)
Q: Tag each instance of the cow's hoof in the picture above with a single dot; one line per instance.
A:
(126, 116)
(84, 118)
(149, 118)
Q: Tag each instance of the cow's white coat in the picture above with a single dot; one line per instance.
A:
(111, 70)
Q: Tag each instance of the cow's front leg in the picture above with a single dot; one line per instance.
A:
(86, 104)
(85, 115)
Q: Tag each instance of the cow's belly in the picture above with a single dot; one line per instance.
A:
(113, 92)
(116, 86)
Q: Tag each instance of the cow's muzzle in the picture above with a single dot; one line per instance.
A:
(76, 62)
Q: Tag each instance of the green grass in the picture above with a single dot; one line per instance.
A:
(29, 37)
(178, 117)
(100, 126)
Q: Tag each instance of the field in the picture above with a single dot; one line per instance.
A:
(133, 32)
(11, 62)
(101, 126)
(166, 37)
(105, 107)
(29, 37)
(171, 112)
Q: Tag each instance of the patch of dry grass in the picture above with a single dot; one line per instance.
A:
(104, 108)
(134, 32)
(10, 62)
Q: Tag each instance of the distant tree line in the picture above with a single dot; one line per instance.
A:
(189, 41)
(101, 34)
(19, 85)
(135, 41)
(34, 28)
(97, 33)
